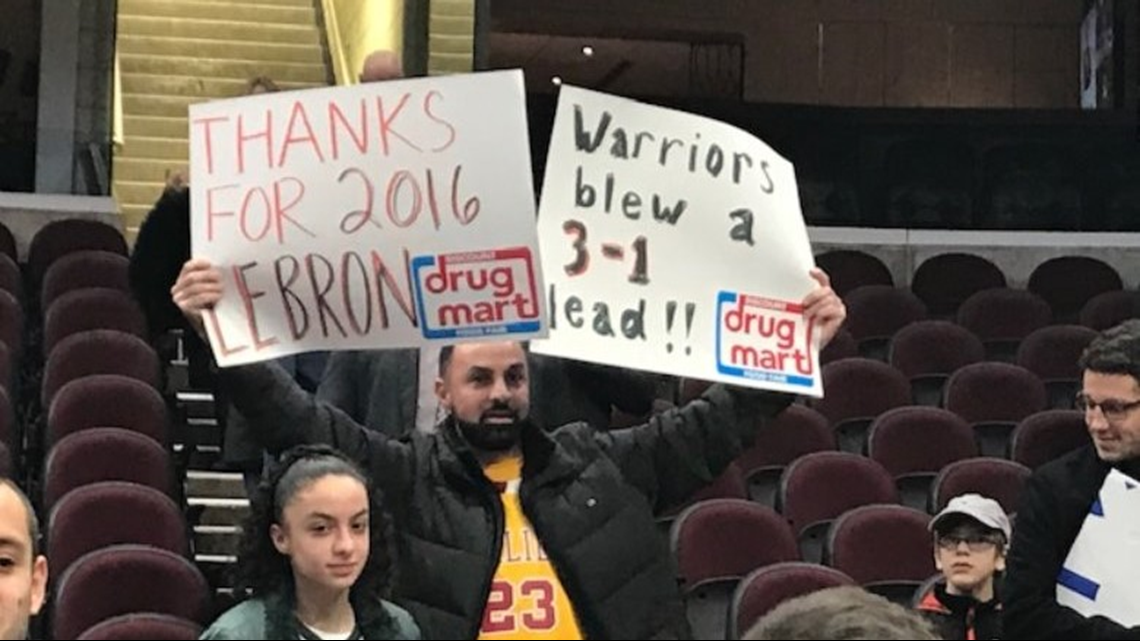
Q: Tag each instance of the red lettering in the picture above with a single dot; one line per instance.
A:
(430, 114)
(354, 220)
(388, 121)
(470, 208)
(346, 291)
(290, 299)
(247, 298)
(432, 204)
(501, 610)
(321, 290)
(212, 318)
(385, 277)
(207, 125)
(542, 617)
(246, 214)
(213, 212)
(759, 323)
(280, 212)
(497, 615)
(393, 199)
(243, 138)
(299, 115)
(337, 116)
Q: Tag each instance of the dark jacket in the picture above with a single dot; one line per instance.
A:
(380, 388)
(1054, 505)
(273, 618)
(590, 497)
(961, 617)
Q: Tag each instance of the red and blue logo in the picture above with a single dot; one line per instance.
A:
(483, 293)
(763, 339)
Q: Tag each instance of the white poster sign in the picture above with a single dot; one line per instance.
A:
(1099, 575)
(389, 214)
(674, 243)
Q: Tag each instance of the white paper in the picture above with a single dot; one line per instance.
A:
(391, 214)
(674, 243)
(1099, 576)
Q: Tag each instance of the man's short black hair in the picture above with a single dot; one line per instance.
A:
(1115, 351)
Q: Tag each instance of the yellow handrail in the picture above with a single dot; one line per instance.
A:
(336, 45)
(117, 134)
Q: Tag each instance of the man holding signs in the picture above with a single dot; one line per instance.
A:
(505, 530)
(494, 548)
(1076, 545)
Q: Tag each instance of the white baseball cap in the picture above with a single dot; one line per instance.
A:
(985, 510)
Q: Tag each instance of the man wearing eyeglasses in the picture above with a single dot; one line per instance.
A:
(1059, 496)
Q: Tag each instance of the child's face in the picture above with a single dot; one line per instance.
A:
(968, 555)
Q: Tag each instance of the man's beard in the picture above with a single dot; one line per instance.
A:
(493, 436)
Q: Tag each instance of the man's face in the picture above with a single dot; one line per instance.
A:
(23, 577)
(487, 391)
(1112, 415)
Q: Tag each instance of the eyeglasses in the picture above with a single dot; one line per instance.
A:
(976, 542)
(1114, 410)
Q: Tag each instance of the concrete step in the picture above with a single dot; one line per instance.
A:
(155, 126)
(451, 8)
(221, 511)
(140, 170)
(220, 540)
(214, 87)
(269, 11)
(222, 49)
(133, 192)
(155, 105)
(241, 70)
(214, 485)
(157, 148)
(224, 29)
(217, 568)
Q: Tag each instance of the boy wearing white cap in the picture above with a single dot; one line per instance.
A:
(970, 539)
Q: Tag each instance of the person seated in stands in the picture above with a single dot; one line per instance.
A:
(23, 570)
(315, 557)
(970, 540)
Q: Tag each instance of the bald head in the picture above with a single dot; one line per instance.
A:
(380, 65)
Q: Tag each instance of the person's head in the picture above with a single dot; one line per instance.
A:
(840, 613)
(970, 539)
(23, 570)
(380, 65)
(485, 387)
(1110, 394)
(317, 524)
(260, 84)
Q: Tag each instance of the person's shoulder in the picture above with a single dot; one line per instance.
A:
(245, 620)
(575, 432)
(1082, 460)
(403, 625)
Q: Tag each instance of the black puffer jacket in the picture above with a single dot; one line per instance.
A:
(961, 617)
(589, 495)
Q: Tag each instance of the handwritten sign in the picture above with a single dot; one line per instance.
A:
(1099, 575)
(388, 214)
(674, 243)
